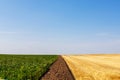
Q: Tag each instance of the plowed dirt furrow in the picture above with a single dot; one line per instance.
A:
(58, 71)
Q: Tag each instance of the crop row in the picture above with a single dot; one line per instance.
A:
(24, 67)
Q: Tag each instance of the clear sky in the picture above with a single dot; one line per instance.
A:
(59, 26)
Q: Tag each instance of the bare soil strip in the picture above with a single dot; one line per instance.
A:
(58, 71)
(94, 67)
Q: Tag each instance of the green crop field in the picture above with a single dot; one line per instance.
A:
(24, 67)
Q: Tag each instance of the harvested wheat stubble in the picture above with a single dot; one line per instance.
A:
(94, 67)
(58, 71)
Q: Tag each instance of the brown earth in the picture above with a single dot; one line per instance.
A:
(58, 71)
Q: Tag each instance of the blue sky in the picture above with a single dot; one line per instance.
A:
(59, 26)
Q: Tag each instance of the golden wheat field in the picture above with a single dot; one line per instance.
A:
(94, 67)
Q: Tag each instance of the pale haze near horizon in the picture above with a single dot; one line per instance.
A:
(59, 27)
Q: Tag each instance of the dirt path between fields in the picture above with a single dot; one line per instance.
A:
(58, 71)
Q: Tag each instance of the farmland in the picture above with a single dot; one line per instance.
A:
(24, 67)
(94, 67)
